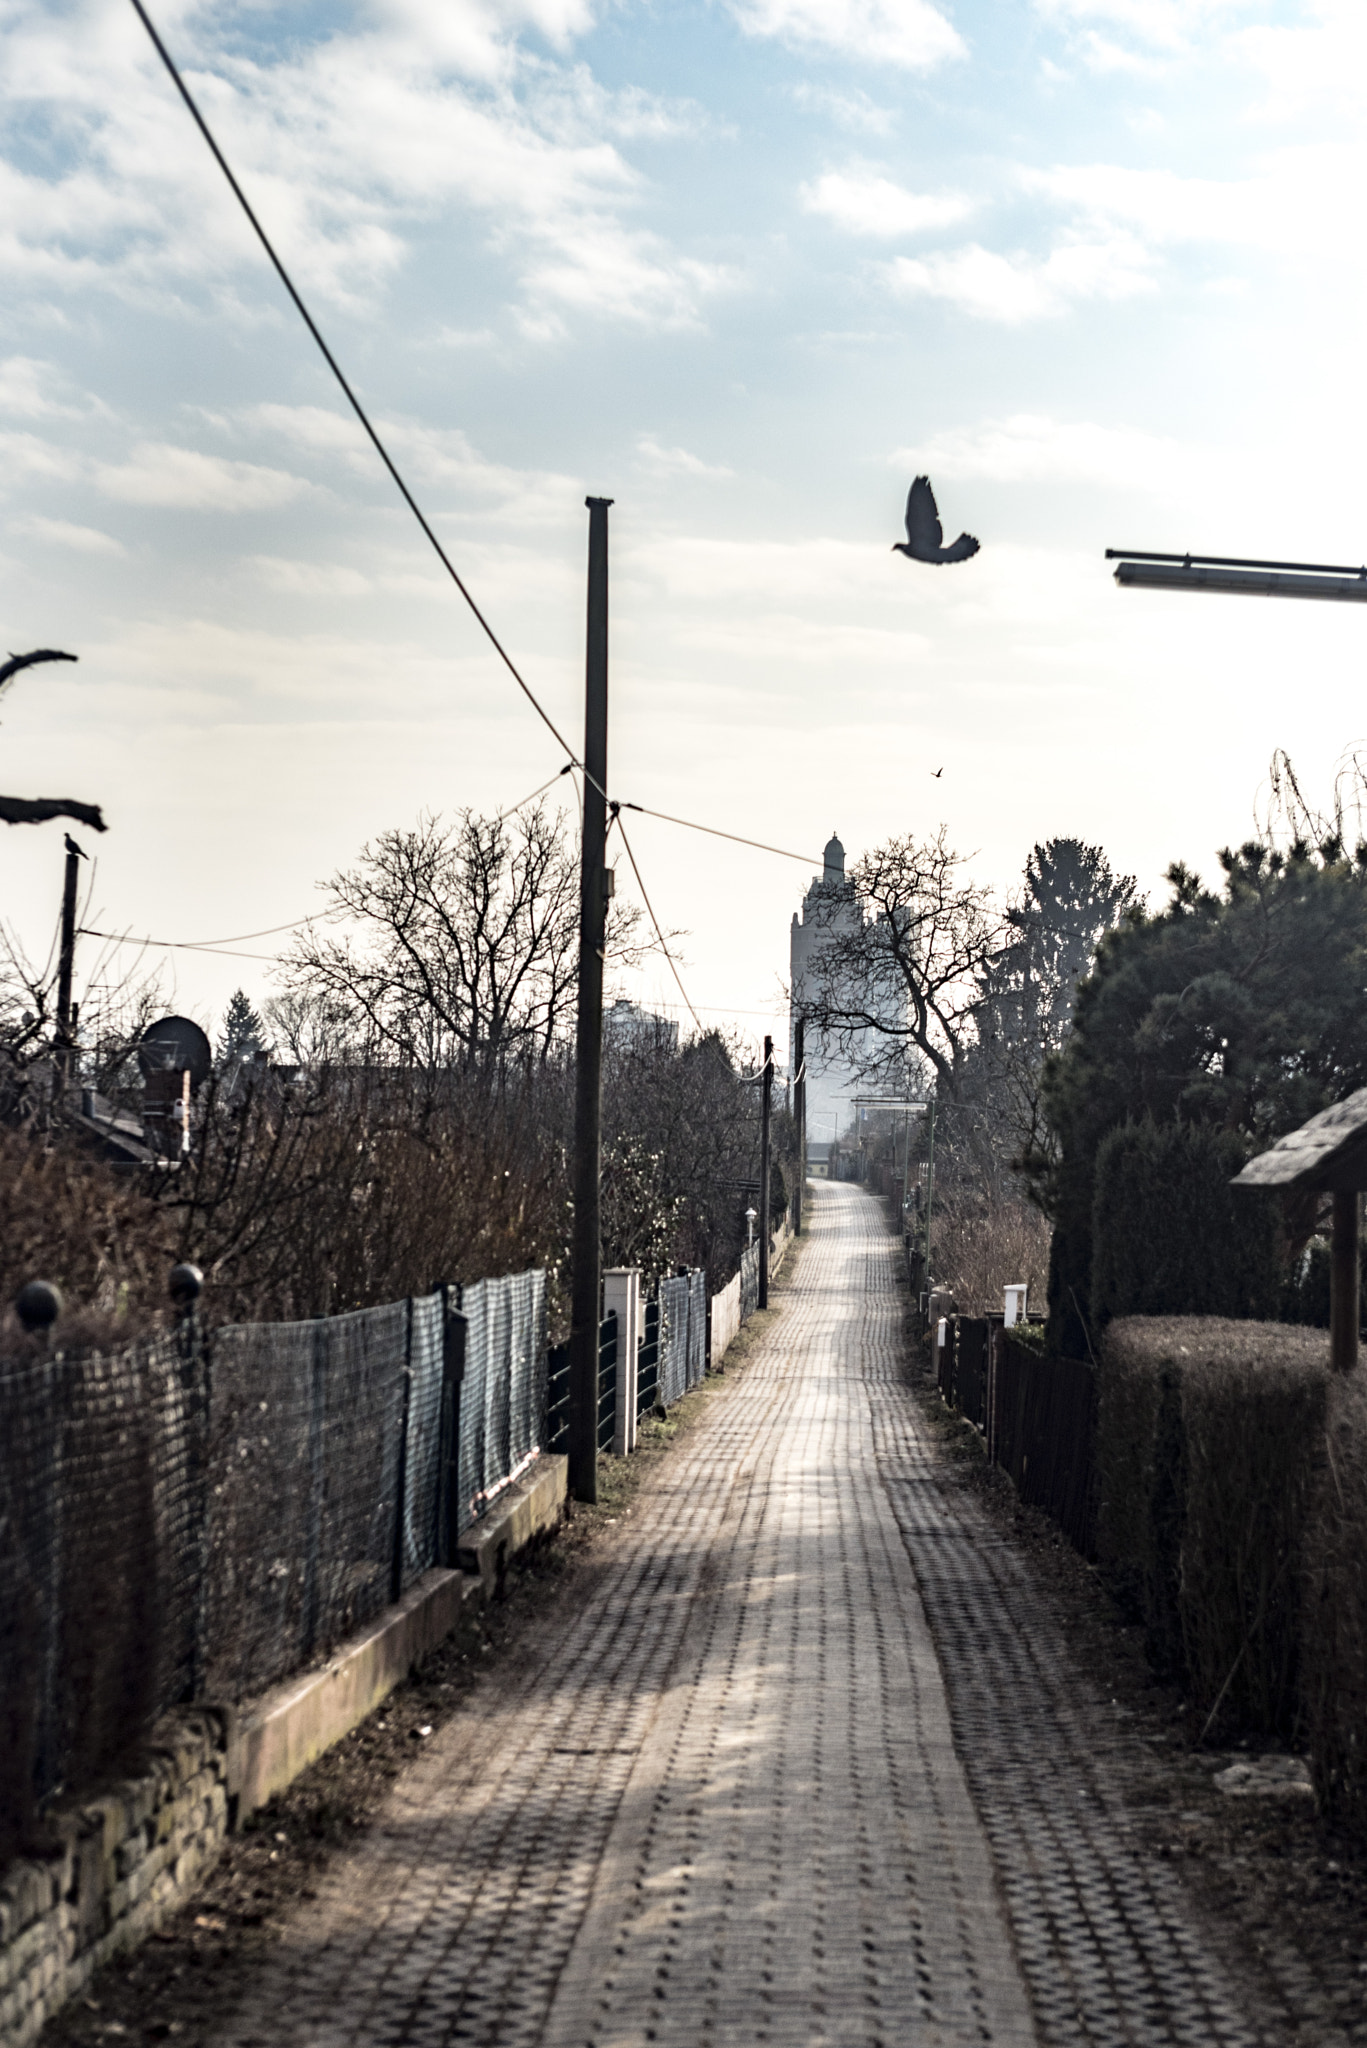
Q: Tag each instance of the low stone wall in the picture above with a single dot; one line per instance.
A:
(119, 1864)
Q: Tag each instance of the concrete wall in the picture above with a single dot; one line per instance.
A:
(725, 1321)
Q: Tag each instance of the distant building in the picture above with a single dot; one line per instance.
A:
(830, 905)
(626, 1023)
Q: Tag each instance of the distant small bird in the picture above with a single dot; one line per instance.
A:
(936, 773)
(925, 541)
(72, 847)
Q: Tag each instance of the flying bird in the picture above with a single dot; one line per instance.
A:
(936, 773)
(925, 541)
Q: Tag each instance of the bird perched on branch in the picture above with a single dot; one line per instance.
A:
(925, 541)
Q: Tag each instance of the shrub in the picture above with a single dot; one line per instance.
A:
(978, 1253)
(1170, 1236)
(1334, 1684)
(1208, 1437)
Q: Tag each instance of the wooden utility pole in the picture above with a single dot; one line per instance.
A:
(767, 1085)
(585, 1312)
(800, 1117)
(66, 1034)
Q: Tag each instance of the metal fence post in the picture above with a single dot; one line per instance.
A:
(450, 1507)
(401, 1478)
(317, 1481)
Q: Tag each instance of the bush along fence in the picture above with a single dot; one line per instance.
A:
(1217, 1471)
(187, 1521)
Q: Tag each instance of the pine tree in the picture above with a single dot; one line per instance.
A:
(243, 1033)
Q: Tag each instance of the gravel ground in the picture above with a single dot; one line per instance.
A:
(1279, 1896)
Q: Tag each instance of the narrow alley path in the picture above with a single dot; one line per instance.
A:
(801, 1773)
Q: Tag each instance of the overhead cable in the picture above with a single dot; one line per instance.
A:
(176, 945)
(332, 363)
(387, 459)
(566, 770)
(655, 920)
(807, 859)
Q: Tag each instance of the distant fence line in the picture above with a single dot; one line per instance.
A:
(1036, 1413)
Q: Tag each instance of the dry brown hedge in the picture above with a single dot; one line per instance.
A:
(1209, 1437)
(1334, 1680)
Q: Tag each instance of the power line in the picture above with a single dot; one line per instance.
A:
(617, 820)
(567, 769)
(807, 859)
(387, 459)
(335, 368)
(179, 945)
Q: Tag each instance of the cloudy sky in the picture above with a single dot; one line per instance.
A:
(743, 267)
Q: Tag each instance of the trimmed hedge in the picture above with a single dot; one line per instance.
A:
(1170, 1236)
(1209, 1436)
(1334, 1679)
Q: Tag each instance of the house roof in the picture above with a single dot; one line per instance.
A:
(1329, 1153)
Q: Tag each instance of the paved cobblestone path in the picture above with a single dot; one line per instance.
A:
(739, 1798)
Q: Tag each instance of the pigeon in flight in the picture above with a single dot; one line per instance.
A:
(925, 541)
(936, 773)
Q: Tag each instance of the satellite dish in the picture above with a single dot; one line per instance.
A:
(175, 1045)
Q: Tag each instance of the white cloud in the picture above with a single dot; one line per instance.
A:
(853, 109)
(86, 540)
(1311, 65)
(311, 579)
(1165, 29)
(1034, 448)
(159, 474)
(29, 390)
(663, 461)
(428, 455)
(864, 203)
(25, 456)
(346, 145)
(1014, 289)
(908, 33)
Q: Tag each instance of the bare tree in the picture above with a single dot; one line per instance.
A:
(896, 977)
(462, 947)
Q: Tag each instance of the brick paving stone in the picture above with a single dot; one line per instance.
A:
(739, 1798)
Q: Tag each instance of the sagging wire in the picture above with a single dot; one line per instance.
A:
(177, 945)
(353, 401)
(650, 908)
(715, 831)
(568, 769)
(387, 459)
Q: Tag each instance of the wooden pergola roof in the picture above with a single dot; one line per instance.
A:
(1329, 1153)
